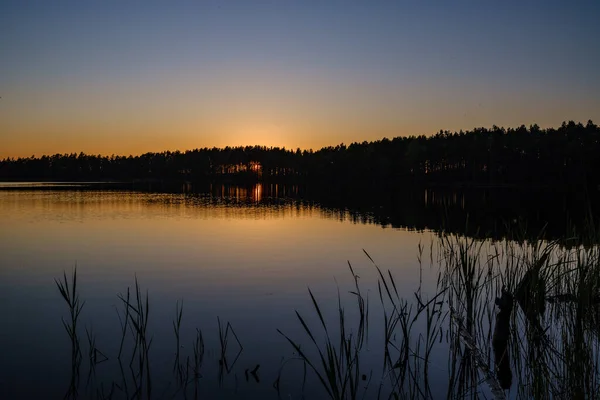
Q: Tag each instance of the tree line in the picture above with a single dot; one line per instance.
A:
(566, 155)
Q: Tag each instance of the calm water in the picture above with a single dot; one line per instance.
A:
(239, 256)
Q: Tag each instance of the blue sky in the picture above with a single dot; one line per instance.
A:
(131, 76)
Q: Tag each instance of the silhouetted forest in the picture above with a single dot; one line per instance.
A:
(482, 157)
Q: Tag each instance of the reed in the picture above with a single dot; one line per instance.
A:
(138, 320)
(338, 364)
(537, 303)
(69, 293)
(177, 332)
(198, 348)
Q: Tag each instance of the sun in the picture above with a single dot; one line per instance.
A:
(270, 135)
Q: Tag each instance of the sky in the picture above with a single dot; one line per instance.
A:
(128, 77)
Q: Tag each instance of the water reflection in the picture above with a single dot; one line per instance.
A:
(452, 198)
(246, 258)
(497, 214)
(247, 254)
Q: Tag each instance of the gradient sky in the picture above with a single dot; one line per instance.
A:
(121, 77)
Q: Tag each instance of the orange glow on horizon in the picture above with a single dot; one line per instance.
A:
(198, 75)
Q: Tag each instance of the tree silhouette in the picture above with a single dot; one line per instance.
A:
(565, 156)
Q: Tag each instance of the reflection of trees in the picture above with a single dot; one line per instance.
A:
(496, 156)
(499, 213)
(481, 213)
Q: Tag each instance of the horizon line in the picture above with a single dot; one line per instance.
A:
(412, 136)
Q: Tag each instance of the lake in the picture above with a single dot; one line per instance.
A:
(240, 260)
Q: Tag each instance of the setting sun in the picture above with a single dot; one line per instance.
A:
(268, 135)
(207, 74)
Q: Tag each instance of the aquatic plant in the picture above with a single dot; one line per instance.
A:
(520, 316)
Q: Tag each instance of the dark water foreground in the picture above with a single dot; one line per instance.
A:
(421, 314)
(539, 338)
